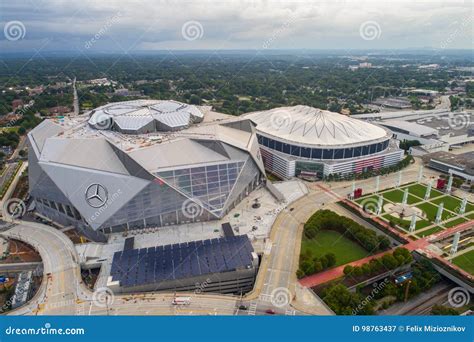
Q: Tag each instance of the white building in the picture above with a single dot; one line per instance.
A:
(306, 141)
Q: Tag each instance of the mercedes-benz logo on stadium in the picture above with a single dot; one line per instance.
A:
(96, 195)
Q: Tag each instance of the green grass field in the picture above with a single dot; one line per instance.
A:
(397, 197)
(452, 203)
(429, 231)
(328, 241)
(371, 202)
(431, 210)
(405, 224)
(454, 222)
(420, 190)
(465, 261)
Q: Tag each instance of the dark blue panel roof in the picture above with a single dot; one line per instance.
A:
(179, 261)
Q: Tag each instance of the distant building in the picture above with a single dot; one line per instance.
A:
(461, 165)
(100, 81)
(424, 92)
(126, 92)
(393, 102)
(59, 110)
(35, 91)
(17, 103)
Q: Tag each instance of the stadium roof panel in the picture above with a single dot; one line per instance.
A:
(311, 126)
(179, 261)
(133, 115)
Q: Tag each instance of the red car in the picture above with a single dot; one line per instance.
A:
(270, 312)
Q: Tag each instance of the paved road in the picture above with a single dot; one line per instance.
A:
(76, 98)
(60, 285)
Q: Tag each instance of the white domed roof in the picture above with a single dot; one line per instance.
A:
(311, 126)
(133, 115)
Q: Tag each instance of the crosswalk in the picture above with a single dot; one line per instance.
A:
(252, 308)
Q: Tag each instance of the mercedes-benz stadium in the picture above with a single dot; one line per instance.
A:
(310, 142)
(144, 163)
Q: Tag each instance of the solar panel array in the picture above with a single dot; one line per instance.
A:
(178, 261)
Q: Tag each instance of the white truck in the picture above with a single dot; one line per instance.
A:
(181, 301)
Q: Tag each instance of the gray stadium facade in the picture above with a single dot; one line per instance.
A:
(100, 179)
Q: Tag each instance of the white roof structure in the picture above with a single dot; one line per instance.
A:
(411, 127)
(152, 115)
(311, 126)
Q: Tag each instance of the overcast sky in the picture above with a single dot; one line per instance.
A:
(131, 26)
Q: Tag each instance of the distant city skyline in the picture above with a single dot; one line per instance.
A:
(89, 27)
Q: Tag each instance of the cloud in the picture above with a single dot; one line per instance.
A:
(245, 24)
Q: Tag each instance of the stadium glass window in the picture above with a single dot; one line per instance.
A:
(316, 153)
(327, 154)
(265, 141)
(379, 147)
(306, 152)
(69, 211)
(373, 148)
(295, 151)
(286, 148)
(61, 208)
(271, 143)
(357, 151)
(339, 153)
(260, 139)
(278, 146)
(348, 153)
(365, 150)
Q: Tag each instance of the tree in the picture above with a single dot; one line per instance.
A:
(348, 270)
(389, 261)
(331, 258)
(441, 310)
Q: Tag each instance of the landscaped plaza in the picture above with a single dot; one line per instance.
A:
(417, 209)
